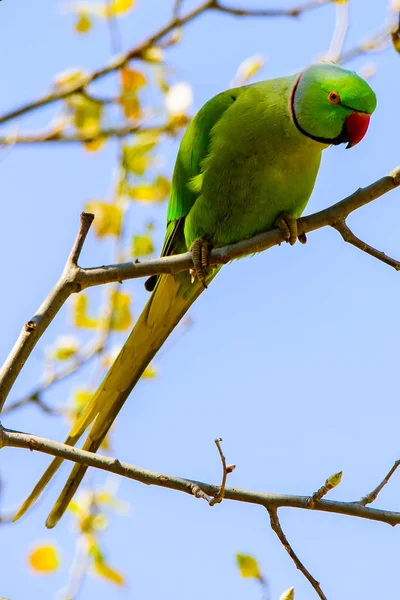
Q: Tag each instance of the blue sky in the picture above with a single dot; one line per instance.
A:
(298, 346)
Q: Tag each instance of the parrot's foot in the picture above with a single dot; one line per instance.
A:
(199, 250)
(288, 225)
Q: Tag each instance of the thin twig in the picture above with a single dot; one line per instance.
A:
(276, 527)
(16, 439)
(349, 237)
(372, 44)
(35, 396)
(139, 51)
(48, 137)
(295, 11)
(220, 496)
(372, 496)
(75, 278)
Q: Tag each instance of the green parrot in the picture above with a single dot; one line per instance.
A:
(246, 164)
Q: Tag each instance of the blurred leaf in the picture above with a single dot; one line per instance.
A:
(81, 398)
(65, 347)
(116, 8)
(248, 68)
(248, 566)
(340, 1)
(179, 98)
(153, 54)
(80, 316)
(83, 23)
(131, 79)
(142, 245)
(121, 313)
(102, 568)
(69, 77)
(131, 82)
(108, 219)
(135, 158)
(149, 372)
(157, 191)
(87, 114)
(44, 559)
(95, 145)
(288, 595)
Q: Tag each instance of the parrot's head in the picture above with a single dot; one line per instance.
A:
(332, 105)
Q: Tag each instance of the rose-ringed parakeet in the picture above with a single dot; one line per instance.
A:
(247, 163)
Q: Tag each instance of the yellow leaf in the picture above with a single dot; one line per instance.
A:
(135, 158)
(44, 558)
(151, 192)
(149, 372)
(288, 595)
(121, 314)
(248, 566)
(153, 54)
(80, 316)
(70, 77)
(83, 23)
(95, 144)
(142, 245)
(248, 68)
(132, 80)
(108, 218)
(66, 347)
(102, 568)
(117, 7)
(340, 1)
(87, 114)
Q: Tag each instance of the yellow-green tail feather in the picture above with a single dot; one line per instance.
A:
(170, 300)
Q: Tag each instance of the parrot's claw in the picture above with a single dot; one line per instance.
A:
(199, 250)
(288, 225)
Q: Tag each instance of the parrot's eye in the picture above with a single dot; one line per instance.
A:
(333, 98)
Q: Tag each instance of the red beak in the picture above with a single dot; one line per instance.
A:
(356, 127)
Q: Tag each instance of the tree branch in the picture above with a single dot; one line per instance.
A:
(16, 439)
(35, 327)
(276, 527)
(372, 496)
(139, 51)
(75, 278)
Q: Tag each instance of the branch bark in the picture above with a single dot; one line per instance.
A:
(139, 51)
(75, 278)
(17, 439)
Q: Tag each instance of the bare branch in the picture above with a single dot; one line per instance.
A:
(16, 439)
(35, 327)
(139, 51)
(295, 11)
(46, 137)
(372, 496)
(75, 278)
(276, 527)
(350, 238)
(225, 470)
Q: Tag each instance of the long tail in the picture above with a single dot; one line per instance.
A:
(170, 300)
